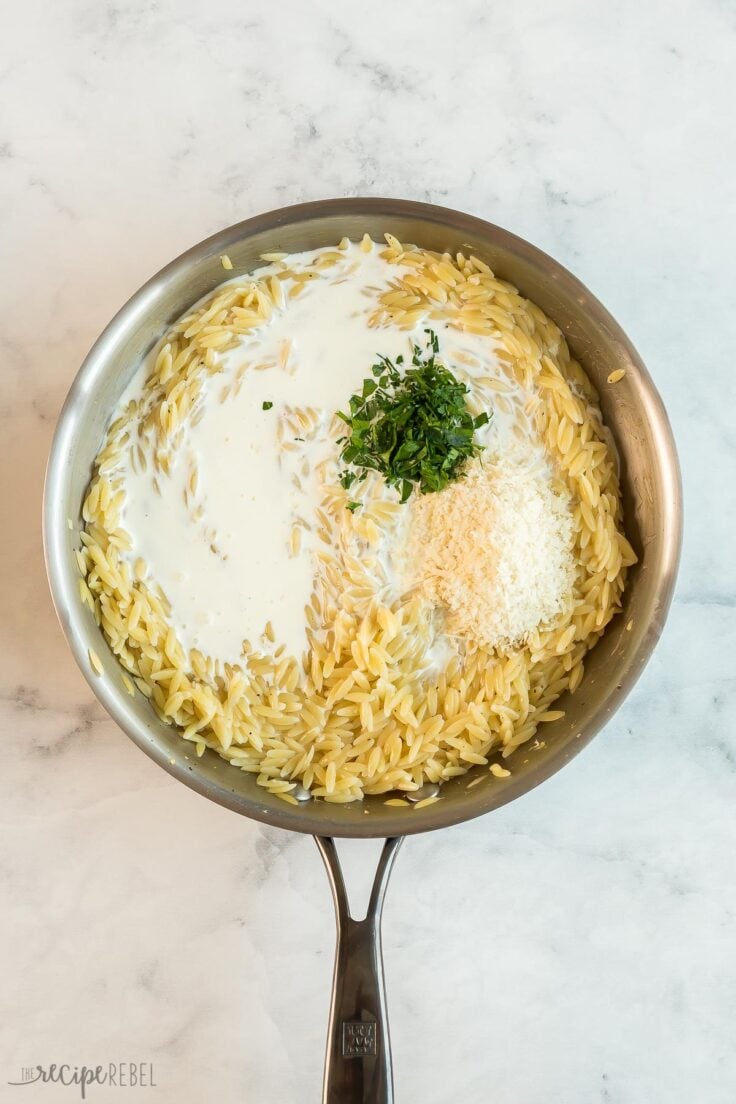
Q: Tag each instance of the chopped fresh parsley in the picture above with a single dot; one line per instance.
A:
(267, 405)
(411, 426)
(352, 506)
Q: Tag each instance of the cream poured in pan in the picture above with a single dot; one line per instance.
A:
(223, 554)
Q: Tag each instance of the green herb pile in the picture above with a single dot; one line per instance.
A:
(411, 426)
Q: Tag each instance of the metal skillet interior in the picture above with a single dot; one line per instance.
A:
(631, 408)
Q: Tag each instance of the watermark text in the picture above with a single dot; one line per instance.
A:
(120, 1075)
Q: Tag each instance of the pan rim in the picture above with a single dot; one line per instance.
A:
(343, 820)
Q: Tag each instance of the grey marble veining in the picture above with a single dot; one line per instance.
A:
(576, 947)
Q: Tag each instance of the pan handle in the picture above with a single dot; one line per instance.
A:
(358, 1061)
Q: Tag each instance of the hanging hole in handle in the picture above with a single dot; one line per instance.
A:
(359, 860)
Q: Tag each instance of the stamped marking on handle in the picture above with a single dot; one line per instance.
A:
(359, 1040)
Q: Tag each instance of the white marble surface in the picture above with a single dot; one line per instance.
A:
(576, 947)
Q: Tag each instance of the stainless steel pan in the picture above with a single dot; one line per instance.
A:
(358, 1064)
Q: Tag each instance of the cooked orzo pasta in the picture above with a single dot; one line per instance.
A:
(356, 522)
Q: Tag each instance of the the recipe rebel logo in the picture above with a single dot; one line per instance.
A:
(117, 1075)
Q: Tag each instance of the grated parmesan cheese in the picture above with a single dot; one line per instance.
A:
(493, 551)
